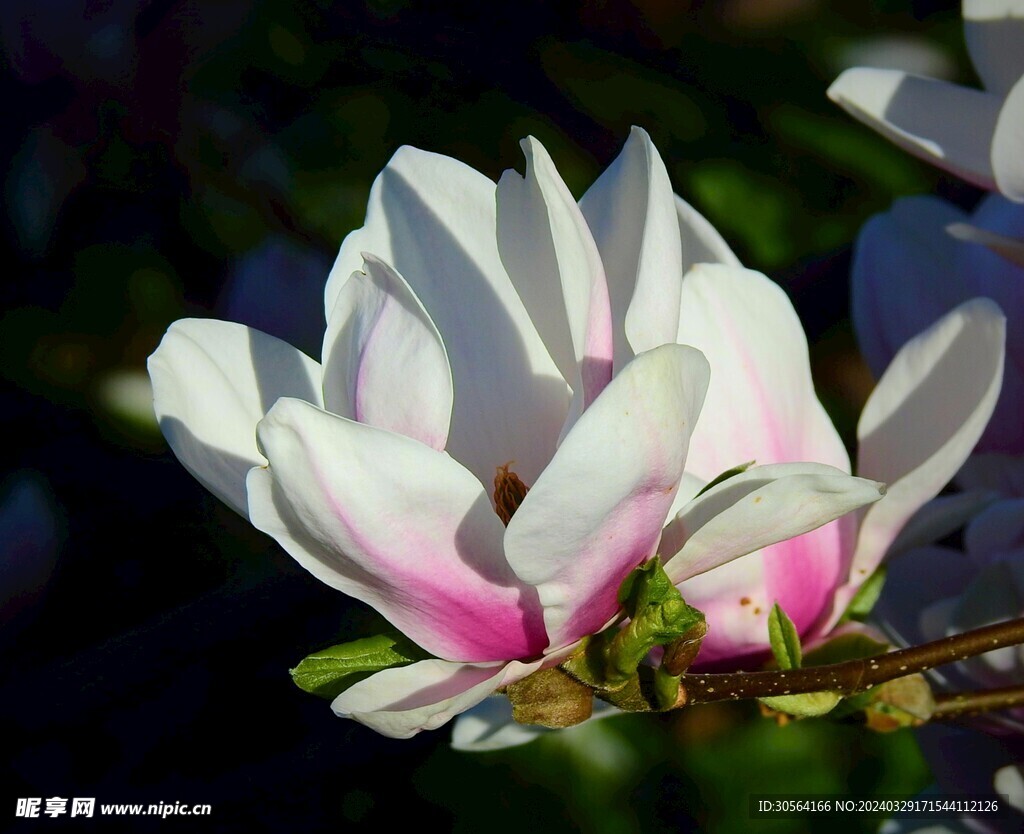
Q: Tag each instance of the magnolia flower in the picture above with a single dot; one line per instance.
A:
(907, 273)
(475, 329)
(976, 134)
(921, 422)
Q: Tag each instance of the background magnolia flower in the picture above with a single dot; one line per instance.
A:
(976, 134)
(907, 273)
(480, 334)
(934, 591)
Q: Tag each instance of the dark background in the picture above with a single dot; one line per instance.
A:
(172, 158)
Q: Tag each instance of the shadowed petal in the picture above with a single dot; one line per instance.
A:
(555, 266)
(945, 124)
(598, 509)
(433, 220)
(994, 31)
(384, 363)
(212, 383)
(397, 525)
(632, 212)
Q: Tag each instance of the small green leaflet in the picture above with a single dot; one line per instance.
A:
(725, 476)
(865, 598)
(806, 705)
(331, 671)
(784, 639)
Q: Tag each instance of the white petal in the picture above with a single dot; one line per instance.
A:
(397, 525)
(701, 242)
(597, 510)
(756, 508)
(945, 124)
(1008, 144)
(761, 403)
(925, 416)
(555, 266)
(994, 31)
(212, 383)
(384, 363)
(433, 220)
(401, 702)
(632, 212)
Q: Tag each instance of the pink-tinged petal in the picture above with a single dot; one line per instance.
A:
(944, 124)
(1001, 473)
(762, 510)
(401, 702)
(631, 211)
(433, 220)
(212, 383)
(701, 242)
(761, 404)
(994, 31)
(555, 266)
(1008, 144)
(756, 508)
(384, 363)
(397, 525)
(597, 511)
(923, 419)
(1010, 248)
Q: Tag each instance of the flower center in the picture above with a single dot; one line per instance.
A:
(509, 493)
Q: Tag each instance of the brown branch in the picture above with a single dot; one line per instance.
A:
(954, 705)
(852, 676)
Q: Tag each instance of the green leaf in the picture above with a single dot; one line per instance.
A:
(865, 598)
(331, 671)
(806, 705)
(725, 476)
(784, 640)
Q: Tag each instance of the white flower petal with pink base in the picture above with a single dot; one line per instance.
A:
(432, 219)
(212, 383)
(598, 509)
(923, 420)
(631, 211)
(756, 508)
(555, 266)
(384, 363)
(397, 525)
(915, 113)
(761, 404)
(401, 702)
(994, 31)
(1008, 145)
(701, 242)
